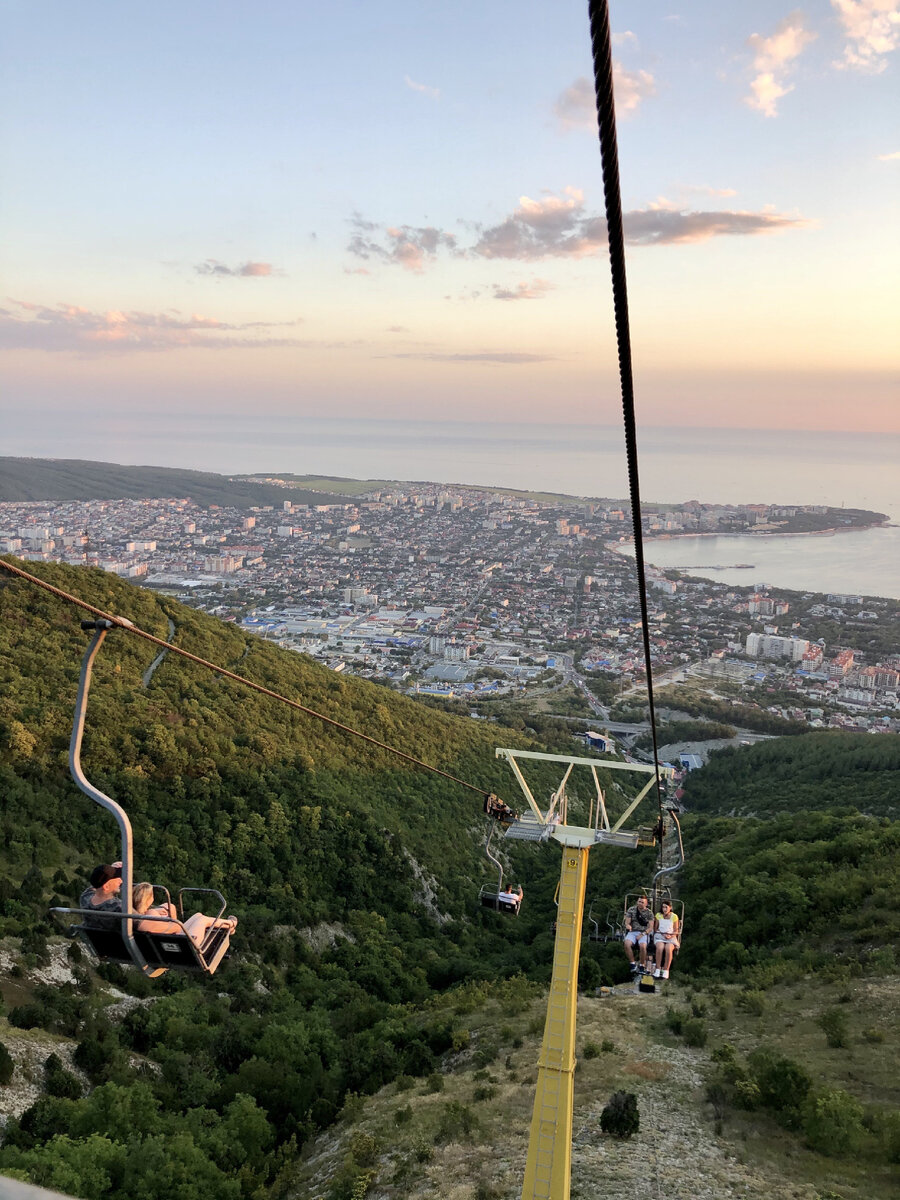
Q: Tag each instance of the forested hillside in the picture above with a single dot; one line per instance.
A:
(80, 479)
(354, 874)
(819, 770)
(361, 947)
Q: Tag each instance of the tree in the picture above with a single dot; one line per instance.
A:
(832, 1122)
(7, 1066)
(620, 1117)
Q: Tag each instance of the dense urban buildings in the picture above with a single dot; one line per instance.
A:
(471, 594)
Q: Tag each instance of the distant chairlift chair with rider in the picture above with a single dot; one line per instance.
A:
(112, 937)
(497, 898)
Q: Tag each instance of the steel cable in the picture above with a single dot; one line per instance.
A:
(601, 48)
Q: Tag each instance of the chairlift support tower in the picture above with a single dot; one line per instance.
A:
(548, 1167)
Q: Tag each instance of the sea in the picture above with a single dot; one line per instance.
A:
(723, 466)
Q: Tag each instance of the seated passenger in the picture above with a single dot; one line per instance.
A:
(498, 809)
(196, 927)
(102, 897)
(665, 939)
(638, 919)
(511, 897)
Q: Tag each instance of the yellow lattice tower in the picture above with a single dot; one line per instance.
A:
(548, 1168)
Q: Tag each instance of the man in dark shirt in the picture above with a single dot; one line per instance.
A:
(637, 924)
(102, 897)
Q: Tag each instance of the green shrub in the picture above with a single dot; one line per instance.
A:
(7, 1066)
(364, 1149)
(694, 1032)
(485, 1055)
(60, 1082)
(888, 1131)
(832, 1122)
(620, 1118)
(403, 1116)
(461, 1039)
(834, 1023)
(782, 1084)
(746, 1094)
(434, 1083)
(458, 1123)
(873, 1034)
(403, 1083)
(607, 1046)
(484, 1191)
(484, 1092)
(753, 1002)
(590, 1050)
(675, 1020)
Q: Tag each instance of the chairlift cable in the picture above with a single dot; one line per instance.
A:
(606, 121)
(123, 623)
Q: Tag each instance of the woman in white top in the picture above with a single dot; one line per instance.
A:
(665, 939)
(196, 927)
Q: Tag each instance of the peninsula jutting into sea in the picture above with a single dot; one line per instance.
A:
(474, 595)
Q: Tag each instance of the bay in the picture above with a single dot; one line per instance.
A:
(858, 562)
(722, 466)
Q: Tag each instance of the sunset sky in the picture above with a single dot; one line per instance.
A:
(395, 209)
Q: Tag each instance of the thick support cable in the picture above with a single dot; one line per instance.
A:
(601, 47)
(124, 623)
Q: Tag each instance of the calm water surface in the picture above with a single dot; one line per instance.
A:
(716, 466)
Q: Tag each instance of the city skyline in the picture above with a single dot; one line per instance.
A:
(337, 211)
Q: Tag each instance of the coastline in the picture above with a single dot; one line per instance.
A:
(865, 565)
(764, 533)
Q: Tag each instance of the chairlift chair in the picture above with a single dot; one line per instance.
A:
(111, 936)
(489, 897)
(594, 934)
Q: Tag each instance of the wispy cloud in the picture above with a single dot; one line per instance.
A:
(536, 290)
(69, 327)
(576, 107)
(433, 92)
(504, 357)
(631, 87)
(406, 245)
(626, 38)
(558, 226)
(553, 227)
(889, 157)
(773, 58)
(663, 224)
(872, 29)
(247, 270)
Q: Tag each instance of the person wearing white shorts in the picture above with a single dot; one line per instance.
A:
(666, 939)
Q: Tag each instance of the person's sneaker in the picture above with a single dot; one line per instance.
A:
(634, 968)
(665, 975)
(657, 974)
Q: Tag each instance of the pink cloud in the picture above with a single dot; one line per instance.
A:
(576, 107)
(69, 327)
(557, 226)
(872, 29)
(536, 290)
(247, 270)
(773, 58)
(406, 245)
